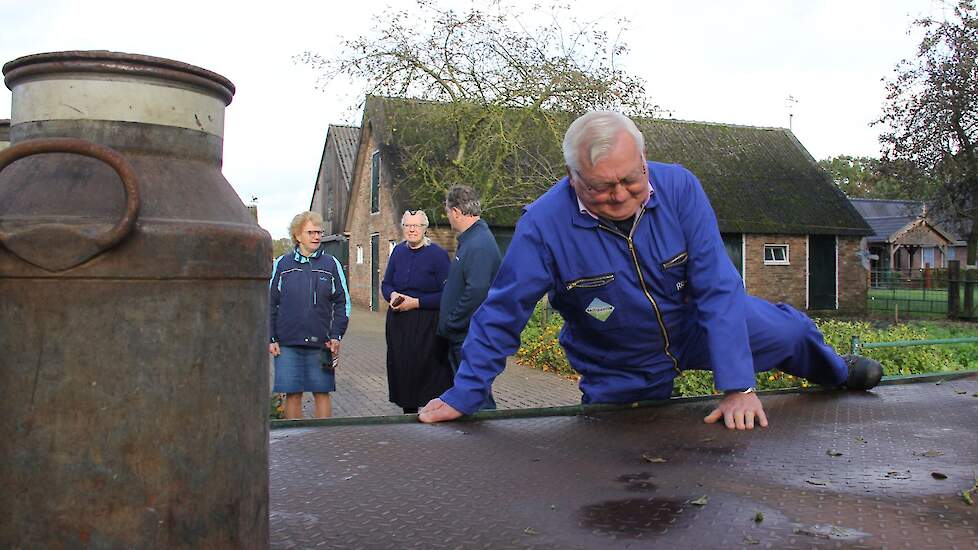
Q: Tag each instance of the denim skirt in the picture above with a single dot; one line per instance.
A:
(299, 369)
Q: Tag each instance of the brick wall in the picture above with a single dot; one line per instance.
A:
(361, 224)
(776, 283)
(788, 283)
(853, 277)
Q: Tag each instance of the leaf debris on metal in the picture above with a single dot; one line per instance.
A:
(930, 454)
(700, 501)
(833, 452)
(818, 482)
(652, 459)
(938, 475)
(758, 517)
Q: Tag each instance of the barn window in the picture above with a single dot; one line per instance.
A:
(375, 182)
(776, 254)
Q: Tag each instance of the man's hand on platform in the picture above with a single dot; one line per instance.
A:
(437, 411)
(739, 411)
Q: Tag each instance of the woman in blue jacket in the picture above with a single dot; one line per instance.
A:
(309, 309)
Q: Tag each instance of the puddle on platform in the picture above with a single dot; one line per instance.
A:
(631, 518)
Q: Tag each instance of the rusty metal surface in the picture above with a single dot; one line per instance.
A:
(835, 469)
(56, 247)
(138, 379)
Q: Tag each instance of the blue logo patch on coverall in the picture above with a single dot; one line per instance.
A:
(599, 309)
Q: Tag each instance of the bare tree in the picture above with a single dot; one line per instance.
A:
(503, 84)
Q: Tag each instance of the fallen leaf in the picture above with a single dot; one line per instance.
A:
(818, 482)
(758, 517)
(531, 531)
(939, 382)
(707, 439)
(653, 459)
(347, 478)
(833, 452)
(859, 439)
(975, 394)
(750, 540)
(938, 475)
(893, 474)
(700, 501)
(930, 454)
(960, 392)
(966, 497)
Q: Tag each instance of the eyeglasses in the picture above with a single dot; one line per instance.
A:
(628, 182)
(413, 225)
(315, 233)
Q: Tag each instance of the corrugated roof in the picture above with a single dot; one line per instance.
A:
(344, 139)
(759, 180)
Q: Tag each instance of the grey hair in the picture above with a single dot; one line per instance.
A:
(465, 199)
(425, 241)
(299, 220)
(596, 133)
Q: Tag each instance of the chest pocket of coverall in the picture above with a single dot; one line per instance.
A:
(674, 274)
(596, 300)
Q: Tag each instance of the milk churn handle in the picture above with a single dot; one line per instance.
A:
(95, 151)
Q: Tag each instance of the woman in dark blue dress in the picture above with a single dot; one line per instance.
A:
(417, 358)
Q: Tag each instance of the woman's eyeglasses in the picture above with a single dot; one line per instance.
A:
(413, 225)
(314, 233)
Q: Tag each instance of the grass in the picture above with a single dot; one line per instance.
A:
(931, 302)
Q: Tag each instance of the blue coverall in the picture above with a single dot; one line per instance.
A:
(637, 308)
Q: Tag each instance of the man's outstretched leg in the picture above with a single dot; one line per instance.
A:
(783, 338)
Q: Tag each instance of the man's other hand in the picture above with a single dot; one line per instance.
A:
(739, 411)
(437, 411)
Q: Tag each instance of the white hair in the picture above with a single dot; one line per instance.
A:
(425, 241)
(595, 133)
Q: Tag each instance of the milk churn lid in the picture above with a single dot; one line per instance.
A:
(106, 62)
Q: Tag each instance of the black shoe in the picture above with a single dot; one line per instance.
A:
(864, 373)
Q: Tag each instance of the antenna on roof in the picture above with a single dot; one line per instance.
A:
(790, 102)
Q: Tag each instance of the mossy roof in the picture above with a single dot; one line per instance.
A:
(759, 180)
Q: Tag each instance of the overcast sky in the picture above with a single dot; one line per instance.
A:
(719, 61)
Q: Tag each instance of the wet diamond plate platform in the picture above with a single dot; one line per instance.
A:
(883, 469)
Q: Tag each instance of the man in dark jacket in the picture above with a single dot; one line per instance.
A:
(477, 260)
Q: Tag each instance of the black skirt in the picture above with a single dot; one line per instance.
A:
(417, 358)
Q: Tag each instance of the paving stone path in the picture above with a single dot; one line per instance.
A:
(362, 377)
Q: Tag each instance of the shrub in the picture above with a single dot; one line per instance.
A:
(277, 407)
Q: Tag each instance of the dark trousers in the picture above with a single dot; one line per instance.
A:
(454, 359)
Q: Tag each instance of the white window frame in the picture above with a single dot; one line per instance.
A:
(787, 254)
(360, 254)
(391, 245)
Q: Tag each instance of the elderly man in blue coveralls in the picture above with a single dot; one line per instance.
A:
(631, 256)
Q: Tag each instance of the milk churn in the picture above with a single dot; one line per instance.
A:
(133, 312)
(4, 133)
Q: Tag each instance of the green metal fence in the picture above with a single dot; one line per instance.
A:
(924, 292)
(858, 345)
